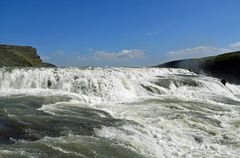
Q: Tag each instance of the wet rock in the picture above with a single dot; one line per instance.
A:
(57, 78)
(225, 136)
(49, 83)
(55, 71)
(198, 139)
(223, 81)
(75, 77)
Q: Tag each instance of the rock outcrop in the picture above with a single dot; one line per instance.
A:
(225, 66)
(20, 56)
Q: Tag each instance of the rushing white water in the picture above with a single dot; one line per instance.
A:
(176, 113)
(93, 85)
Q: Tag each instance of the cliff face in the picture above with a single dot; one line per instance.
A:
(20, 56)
(222, 66)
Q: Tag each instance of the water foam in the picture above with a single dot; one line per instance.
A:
(91, 85)
(174, 119)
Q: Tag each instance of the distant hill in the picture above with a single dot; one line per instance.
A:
(225, 66)
(20, 56)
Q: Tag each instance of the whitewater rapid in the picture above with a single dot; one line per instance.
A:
(168, 112)
(92, 85)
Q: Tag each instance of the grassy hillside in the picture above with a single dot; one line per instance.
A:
(222, 66)
(20, 56)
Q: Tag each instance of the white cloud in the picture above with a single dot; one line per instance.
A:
(196, 52)
(45, 58)
(123, 54)
(91, 49)
(61, 52)
(202, 51)
(235, 45)
(82, 58)
(106, 55)
(134, 53)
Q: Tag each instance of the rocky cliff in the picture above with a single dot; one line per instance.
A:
(224, 66)
(20, 56)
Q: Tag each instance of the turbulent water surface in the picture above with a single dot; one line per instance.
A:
(117, 112)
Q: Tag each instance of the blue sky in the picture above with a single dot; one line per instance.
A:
(121, 32)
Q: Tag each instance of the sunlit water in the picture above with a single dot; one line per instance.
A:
(117, 112)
